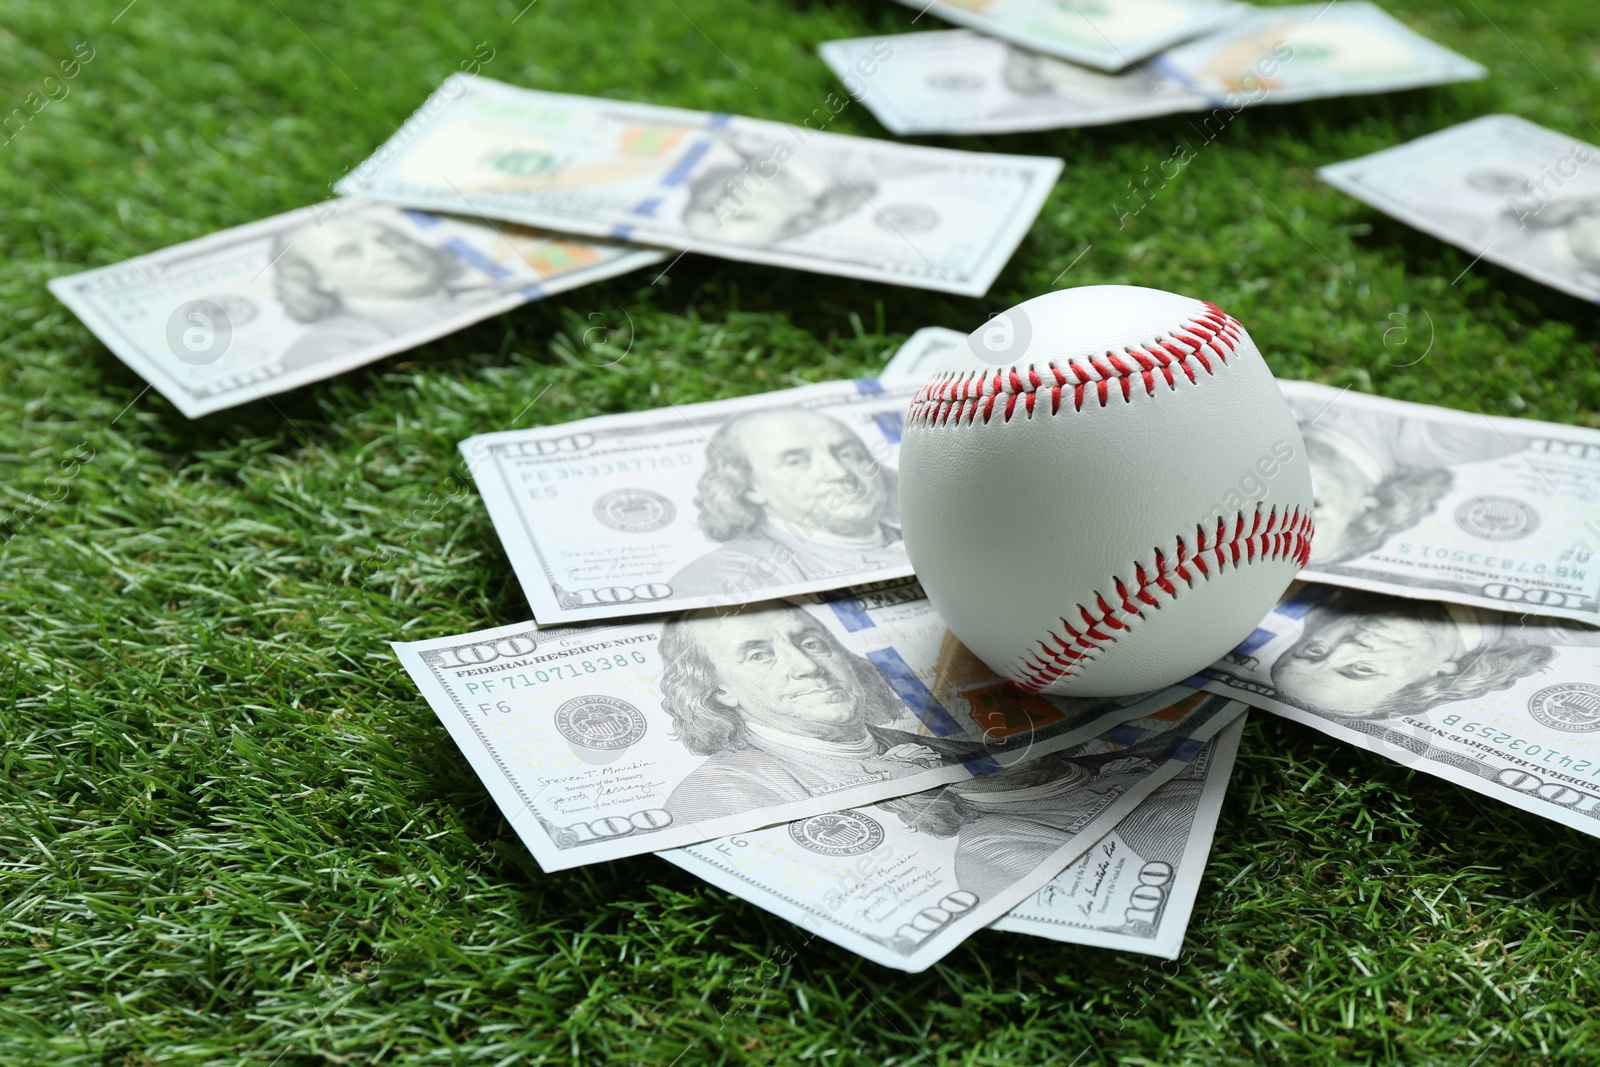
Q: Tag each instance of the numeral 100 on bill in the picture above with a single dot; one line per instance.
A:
(615, 594)
(584, 833)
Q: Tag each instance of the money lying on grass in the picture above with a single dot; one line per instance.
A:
(763, 192)
(725, 502)
(1504, 189)
(1321, 50)
(915, 360)
(1422, 501)
(1135, 889)
(1109, 34)
(303, 296)
(959, 82)
(605, 741)
(1501, 704)
(905, 881)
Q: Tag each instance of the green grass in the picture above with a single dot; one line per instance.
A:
(232, 833)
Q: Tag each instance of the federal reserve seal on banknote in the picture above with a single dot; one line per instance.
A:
(1497, 518)
(600, 722)
(838, 833)
(634, 510)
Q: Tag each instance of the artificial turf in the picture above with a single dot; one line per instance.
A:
(232, 833)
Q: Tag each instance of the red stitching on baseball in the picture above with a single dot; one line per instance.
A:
(1272, 536)
(974, 396)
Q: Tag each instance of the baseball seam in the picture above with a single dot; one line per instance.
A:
(977, 395)
(1277, 535)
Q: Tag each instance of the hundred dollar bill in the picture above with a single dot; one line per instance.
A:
(920, 355)
(762, 192)
(1135, 889)
(1279, 55)
(1502, 705)
(612, 740)
(1421, 501)
(957, 81)
(1106, 34)
(299, 297)
(960, 82)
(1504, 189)
(904, 881)
(725, 502)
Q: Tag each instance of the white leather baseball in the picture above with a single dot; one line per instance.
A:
(1104, 490)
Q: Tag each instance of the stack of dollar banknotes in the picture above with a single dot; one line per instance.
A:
(733, 667)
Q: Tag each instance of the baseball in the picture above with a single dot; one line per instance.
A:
(1104, 491)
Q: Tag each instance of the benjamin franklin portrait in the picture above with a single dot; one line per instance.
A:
(724, 205)
(1362, 655)
(358, 279)
(1517, 215)
(774, 193)
(781, 711)
(791, 496)
(1557, 232)
(1377, 474)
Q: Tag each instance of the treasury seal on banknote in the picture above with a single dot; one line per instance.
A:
(1573, 707)
(838, 833)
(1497, 518)
(600, 722)
(634, 510)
